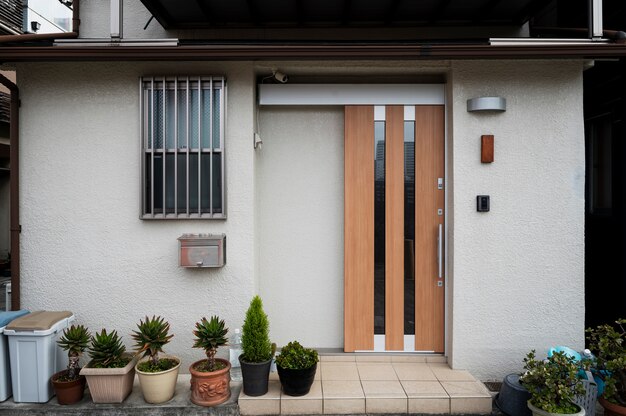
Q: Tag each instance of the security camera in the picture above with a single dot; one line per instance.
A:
(280, 77)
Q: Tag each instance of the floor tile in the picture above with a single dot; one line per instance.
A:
(373, 358)
(344, 406)
(412, 358)
(429, 406)
(268, 404)
(376, 371)
(465, 389)
(445, 373)
(339, 358)
(309, 404)
(383, 389)
(471, 405)
(436, 359)
(376, 405)
(414, 371)
(425, 389)
(350, 389)
(339, 371)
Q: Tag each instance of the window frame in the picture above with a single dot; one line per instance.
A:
(147, 210)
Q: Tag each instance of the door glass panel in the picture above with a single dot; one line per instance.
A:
(409, 228)
(379, 228)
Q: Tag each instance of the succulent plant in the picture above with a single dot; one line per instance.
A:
(151, 337)
(210, 335)
(255, 340)
(608, 342)
(295, 357)
(106, 350)
(74, 340)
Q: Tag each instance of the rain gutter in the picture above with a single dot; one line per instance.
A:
(14, 191)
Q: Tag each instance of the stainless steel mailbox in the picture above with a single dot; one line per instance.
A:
(202, 250)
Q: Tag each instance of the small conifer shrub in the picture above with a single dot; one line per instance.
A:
(255, 338)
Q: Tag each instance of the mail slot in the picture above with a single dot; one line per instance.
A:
(202, 250)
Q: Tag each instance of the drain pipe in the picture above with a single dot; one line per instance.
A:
(49, 36)
(14, 191)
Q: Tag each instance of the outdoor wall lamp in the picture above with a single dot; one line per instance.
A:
(486, 104)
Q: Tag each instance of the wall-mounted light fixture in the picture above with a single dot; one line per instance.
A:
(35, 26)
(486, 104)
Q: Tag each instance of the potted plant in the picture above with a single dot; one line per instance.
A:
(296, 368)
(257, 350)
(68, 384)
(553, 384)
(111, 371)
(157, 376)
(210, 377)
(608, 343)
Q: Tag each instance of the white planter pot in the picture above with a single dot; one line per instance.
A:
(110, 385)
(158, 387)
(538, 412)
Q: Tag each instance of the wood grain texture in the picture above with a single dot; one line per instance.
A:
(429, 165)
(394, 228)
(486, 148)
(359, 228)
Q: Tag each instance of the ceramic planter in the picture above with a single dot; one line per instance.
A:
(210, 388)
(255, 376)
(612, 409)
(296, 382)
(158, 387)
(538, 412)
(68, 392)
(110, 385)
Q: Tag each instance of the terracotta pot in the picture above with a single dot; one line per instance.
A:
(255, 376)
(612, 409)
(68, 392)
(110, 385)
(158, 387)
(296, 382)
(539, 412)
(210, 388)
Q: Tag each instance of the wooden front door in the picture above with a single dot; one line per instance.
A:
(393, 228)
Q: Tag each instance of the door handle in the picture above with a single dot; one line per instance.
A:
(440, 251)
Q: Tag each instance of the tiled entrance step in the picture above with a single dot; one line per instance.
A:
(358, 384)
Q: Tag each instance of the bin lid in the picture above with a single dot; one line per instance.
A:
(38, 321)
(7, 317)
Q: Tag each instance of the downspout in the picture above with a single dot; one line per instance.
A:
(14, 191)
(49, 36)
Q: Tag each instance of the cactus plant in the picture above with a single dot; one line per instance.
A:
(107, 350)
(150, 338)
(210, 335)
(74, 340)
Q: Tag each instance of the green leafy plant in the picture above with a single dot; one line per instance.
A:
(74, 340)
(107, 350)
(607, 342)
(150, 338)
(295, 357)
(553, 383)
(255, 338)
(210, 335)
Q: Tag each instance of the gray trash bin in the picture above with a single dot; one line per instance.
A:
(5, 371)
(33, 353)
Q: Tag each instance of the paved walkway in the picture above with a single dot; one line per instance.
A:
(359, 384)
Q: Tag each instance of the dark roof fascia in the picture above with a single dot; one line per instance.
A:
(308, 52)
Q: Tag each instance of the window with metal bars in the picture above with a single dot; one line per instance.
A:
(182, 140)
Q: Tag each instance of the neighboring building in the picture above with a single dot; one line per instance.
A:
(11, 17)
(139, 131)
(47, 16)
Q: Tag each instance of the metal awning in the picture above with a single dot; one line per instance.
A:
(188, 14)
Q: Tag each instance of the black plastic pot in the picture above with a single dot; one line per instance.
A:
(513, 397)
(255, 376)
(296, 382)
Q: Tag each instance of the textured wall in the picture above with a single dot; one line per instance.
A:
(84, 247)
(518, 271)
(300, 223)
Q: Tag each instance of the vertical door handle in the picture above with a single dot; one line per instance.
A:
(440, 251)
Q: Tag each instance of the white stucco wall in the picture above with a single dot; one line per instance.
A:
(518, 270)
(83, 245)
(300, 223)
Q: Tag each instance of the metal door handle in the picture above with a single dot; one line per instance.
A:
(440, 251)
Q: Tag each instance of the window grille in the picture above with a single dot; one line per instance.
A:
(182, 142)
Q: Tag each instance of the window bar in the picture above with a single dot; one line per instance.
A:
(222, 142)
(142, 146)
(164, 143)
(152, 147)
(199, 146)
(211, 109)
(176, 147)
(188, 100)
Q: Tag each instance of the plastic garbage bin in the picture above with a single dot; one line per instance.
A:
(5, 372)
(34, 353)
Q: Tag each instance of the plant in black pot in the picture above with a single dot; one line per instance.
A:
(608, 343)
(69, 385)
(553, 384)
(296, 368)
(257, 350)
